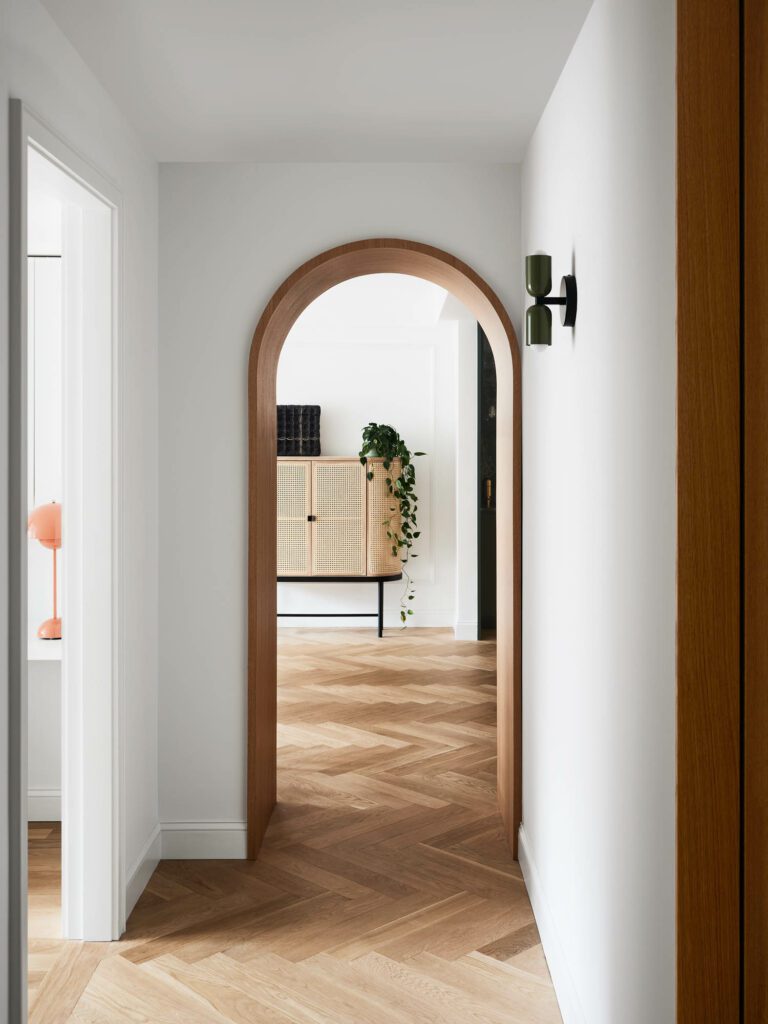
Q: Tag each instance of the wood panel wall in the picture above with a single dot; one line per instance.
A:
(755, 315)
(709, 513)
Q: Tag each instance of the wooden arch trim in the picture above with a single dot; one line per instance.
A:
(377, 256)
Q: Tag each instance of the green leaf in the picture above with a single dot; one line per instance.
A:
(382, 441)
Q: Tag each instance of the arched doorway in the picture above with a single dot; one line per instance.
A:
(377, 256)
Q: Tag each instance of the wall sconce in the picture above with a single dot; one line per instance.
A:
(538, 282)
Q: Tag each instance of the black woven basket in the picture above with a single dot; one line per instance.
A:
(298, 430)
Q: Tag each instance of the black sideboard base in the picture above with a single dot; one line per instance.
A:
(378, 580)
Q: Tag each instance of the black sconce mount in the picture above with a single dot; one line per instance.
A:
(538, 282)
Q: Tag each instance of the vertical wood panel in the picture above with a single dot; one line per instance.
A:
(755, 511)
(709, 513)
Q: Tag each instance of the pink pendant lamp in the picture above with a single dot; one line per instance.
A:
(44, 524)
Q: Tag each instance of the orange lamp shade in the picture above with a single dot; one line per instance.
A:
(44, 525)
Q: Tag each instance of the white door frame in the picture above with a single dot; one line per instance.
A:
(93, 880)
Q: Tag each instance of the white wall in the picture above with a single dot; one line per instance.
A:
(39, 66)
(374, 348)
(599, 525)
(230, 234)
(467, 494)
(44, 741)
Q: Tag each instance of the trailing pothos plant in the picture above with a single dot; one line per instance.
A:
(383, 442)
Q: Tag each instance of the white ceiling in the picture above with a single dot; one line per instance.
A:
(327, 79)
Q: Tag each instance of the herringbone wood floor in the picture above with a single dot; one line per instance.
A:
(384, 892)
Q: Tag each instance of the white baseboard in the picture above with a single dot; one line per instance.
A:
(465, 630)
(204, 840)
(44, 805)
(424, 618)
(141, 872)
(419, 619)
(565, 990)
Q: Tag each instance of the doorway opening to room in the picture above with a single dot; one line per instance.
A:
(386, 688)
(379, 256)
(64, 560)
(486, 488)
(386, 771)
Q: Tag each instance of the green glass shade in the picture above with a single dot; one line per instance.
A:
(538, 275)
(538, 325)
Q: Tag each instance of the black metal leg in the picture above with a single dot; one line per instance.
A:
(381, 608)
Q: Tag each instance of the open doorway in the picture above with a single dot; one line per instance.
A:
(45, 329)
(364, 691)
(64, 642)
(486, 488)
(292, 298)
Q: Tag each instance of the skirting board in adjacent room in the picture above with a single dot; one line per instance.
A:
(565, 990)
(204, 840)
(465, 630)
(141, 872)
(44, 805)
(425, 619)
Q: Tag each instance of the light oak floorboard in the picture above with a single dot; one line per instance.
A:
(385, 892)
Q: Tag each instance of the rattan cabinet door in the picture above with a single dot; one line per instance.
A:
(338, 532)
(294, 506)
